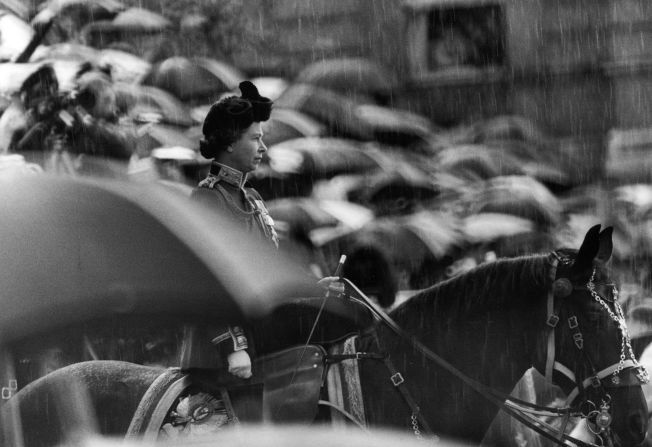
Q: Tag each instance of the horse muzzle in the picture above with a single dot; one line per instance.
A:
(630, 417)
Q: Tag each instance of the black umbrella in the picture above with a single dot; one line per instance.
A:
(318, 158)
(79, 11)
(146, 103)
(356, 77)
(397, 253)
(518, 196)
(477, 162)
(292, 167)
(76, 250)
(140, 19)
(200, 79)
(399, 127)
(65, 51)
(287, 124)
(335, 111)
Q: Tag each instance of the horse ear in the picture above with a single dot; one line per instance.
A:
(588, 250)
(606, 244)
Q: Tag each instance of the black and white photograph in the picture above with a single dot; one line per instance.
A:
(328, 223)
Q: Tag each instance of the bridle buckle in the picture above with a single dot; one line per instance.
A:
(397, 379)
(552, 321)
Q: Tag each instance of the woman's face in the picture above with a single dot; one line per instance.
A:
(248, 150)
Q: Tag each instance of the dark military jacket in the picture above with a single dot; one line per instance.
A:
(215, 190)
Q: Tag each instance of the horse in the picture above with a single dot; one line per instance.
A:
(441, 363)
(493, 323)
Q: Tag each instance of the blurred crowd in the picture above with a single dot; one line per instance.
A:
(90, 89)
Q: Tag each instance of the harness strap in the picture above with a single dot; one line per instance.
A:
(398, 380)
(589, 380)
(336, 358)
(552, 321)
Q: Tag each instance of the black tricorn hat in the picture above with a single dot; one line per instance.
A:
(238, 112)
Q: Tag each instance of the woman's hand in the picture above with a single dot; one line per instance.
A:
(240, 364)
(332, 284)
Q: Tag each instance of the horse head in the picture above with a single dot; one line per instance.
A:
(587, 350)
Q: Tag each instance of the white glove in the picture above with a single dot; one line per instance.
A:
(240, 364)
(332, 284)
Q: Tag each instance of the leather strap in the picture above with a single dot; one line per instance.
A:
(552, 321)
(336, 358)
(398, 381)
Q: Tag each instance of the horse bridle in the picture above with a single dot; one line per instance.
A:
(560, 289)
(526, 412)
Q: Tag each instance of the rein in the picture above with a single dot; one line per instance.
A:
(520, 410)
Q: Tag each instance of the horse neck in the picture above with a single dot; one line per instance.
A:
(485, 324)
(501, 299)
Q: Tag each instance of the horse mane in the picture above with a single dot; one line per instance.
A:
(497, 285)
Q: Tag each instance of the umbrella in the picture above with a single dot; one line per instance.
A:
(15, 35)
(140, 19)
(14, 74)
(507, 128)
(270, 86)
(393, 192)
(398, 127)
(335, 111)
(292, 167)
(65, 51)
(350, 76)
(287, 124)
(323, 220)
(518, 196)
(397, 253)
(153, 135)
(80, 11)
(477, 162)
(300, 212)
(16, 7)
(125, 67)
(194, 79)
(145, 103)
(485, 227)
(320, 157)
(75, 250)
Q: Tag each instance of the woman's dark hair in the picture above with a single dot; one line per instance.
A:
(230, 117)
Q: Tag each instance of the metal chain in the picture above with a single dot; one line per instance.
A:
(417, 432)
(415, 427)
(619, 317)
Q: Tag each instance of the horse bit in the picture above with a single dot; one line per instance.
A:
(562, 288)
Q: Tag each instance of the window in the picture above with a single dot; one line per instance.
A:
(465, 36)
(455, 37)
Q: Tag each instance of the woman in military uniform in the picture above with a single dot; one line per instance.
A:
(233, 139)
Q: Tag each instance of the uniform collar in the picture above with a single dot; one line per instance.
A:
(227, 174)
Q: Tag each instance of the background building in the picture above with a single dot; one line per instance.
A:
(577, 68)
